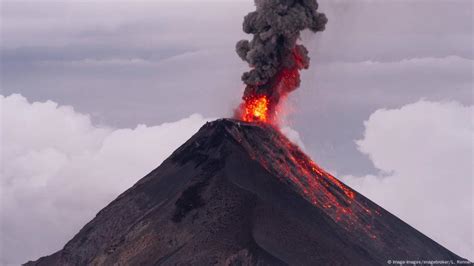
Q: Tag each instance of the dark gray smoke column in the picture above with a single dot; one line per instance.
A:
(273, 53)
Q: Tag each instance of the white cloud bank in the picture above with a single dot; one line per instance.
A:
(425, 155)
(58, 170)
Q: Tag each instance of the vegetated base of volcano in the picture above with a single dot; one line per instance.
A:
(242, 194)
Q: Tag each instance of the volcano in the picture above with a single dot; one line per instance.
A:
(241, 193)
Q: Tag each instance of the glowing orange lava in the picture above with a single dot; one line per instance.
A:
(279, 156)
(255, 109)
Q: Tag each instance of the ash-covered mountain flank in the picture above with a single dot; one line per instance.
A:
(242, 194)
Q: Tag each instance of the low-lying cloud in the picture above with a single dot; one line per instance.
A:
(59, 169)
(424, 152)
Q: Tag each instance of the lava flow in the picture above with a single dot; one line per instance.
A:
(279, 156)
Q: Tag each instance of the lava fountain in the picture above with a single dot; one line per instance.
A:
(255, 109)
(273, 54)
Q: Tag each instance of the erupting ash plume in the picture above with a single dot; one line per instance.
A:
(273, 54)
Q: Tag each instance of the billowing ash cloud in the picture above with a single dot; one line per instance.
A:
(276, 26)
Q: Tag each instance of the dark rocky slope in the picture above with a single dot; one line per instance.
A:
(242, 194)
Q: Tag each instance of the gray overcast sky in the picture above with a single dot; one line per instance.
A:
(126, 63)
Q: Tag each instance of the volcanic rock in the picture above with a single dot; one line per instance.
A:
(242, 194)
